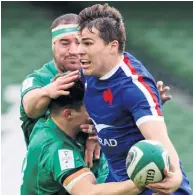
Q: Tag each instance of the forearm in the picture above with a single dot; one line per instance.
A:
(119, 188)
(36, 102)
(174, 159)
(158, 131)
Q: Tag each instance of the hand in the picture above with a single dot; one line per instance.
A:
(87, 128)
(61, 85)
(92, 148)
(163, 92)
(169, 185)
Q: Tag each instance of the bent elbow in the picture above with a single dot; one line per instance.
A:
(31, 113)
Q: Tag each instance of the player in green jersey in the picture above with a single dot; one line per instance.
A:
(37, 89)
(54, 163)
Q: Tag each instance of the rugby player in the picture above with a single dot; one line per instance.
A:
(121, 97)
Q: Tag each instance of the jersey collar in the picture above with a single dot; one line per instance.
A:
(112, 72)
(53, 125)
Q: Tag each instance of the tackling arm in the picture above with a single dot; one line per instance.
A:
(87, 186)
(77, 178)
(36, 101)
(156, 130)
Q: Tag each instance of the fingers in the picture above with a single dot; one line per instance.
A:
(84, 128)
(66, 86)
(90, 153)
(160, 85)
(162, 89)
(68, 78)
(89, 158)
(97, 151)
(90, 129)
(92, 150)
(87, 128)
(165, 184)
(63, 89)
(166, 98)
(64, 80)
(163, 187)
(160, 191)
(169, 185)
(93, 137)
(63, 93)
(69, 73)
(165, 89)
(74, 74)
(167, 173)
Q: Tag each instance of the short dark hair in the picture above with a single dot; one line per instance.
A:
(72, 101)
(107, 20)
(65, 19)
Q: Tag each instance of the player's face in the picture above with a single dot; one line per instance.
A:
(65, 53)
(93, 52)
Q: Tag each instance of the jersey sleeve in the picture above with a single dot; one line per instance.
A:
(141, 98)
(66, 165)
(31, 82)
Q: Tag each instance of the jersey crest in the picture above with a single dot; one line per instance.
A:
(108, 96)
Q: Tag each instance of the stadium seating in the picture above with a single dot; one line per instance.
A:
(169, 42)
(26, 41)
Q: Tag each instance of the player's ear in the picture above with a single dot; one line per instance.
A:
(114, 45)
(68, 114)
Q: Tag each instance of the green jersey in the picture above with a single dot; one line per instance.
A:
(37, 79)
(55, 161)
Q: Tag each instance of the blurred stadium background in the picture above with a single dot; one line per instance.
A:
(160, 34)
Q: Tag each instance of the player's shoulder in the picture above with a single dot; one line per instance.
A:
(134, 69)
(46, 70)
(49, 136)
(40, 78)
(134, 66)
(129, 58)
(38, 134)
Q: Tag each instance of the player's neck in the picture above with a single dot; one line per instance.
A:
(66, 127)
(111, 63)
